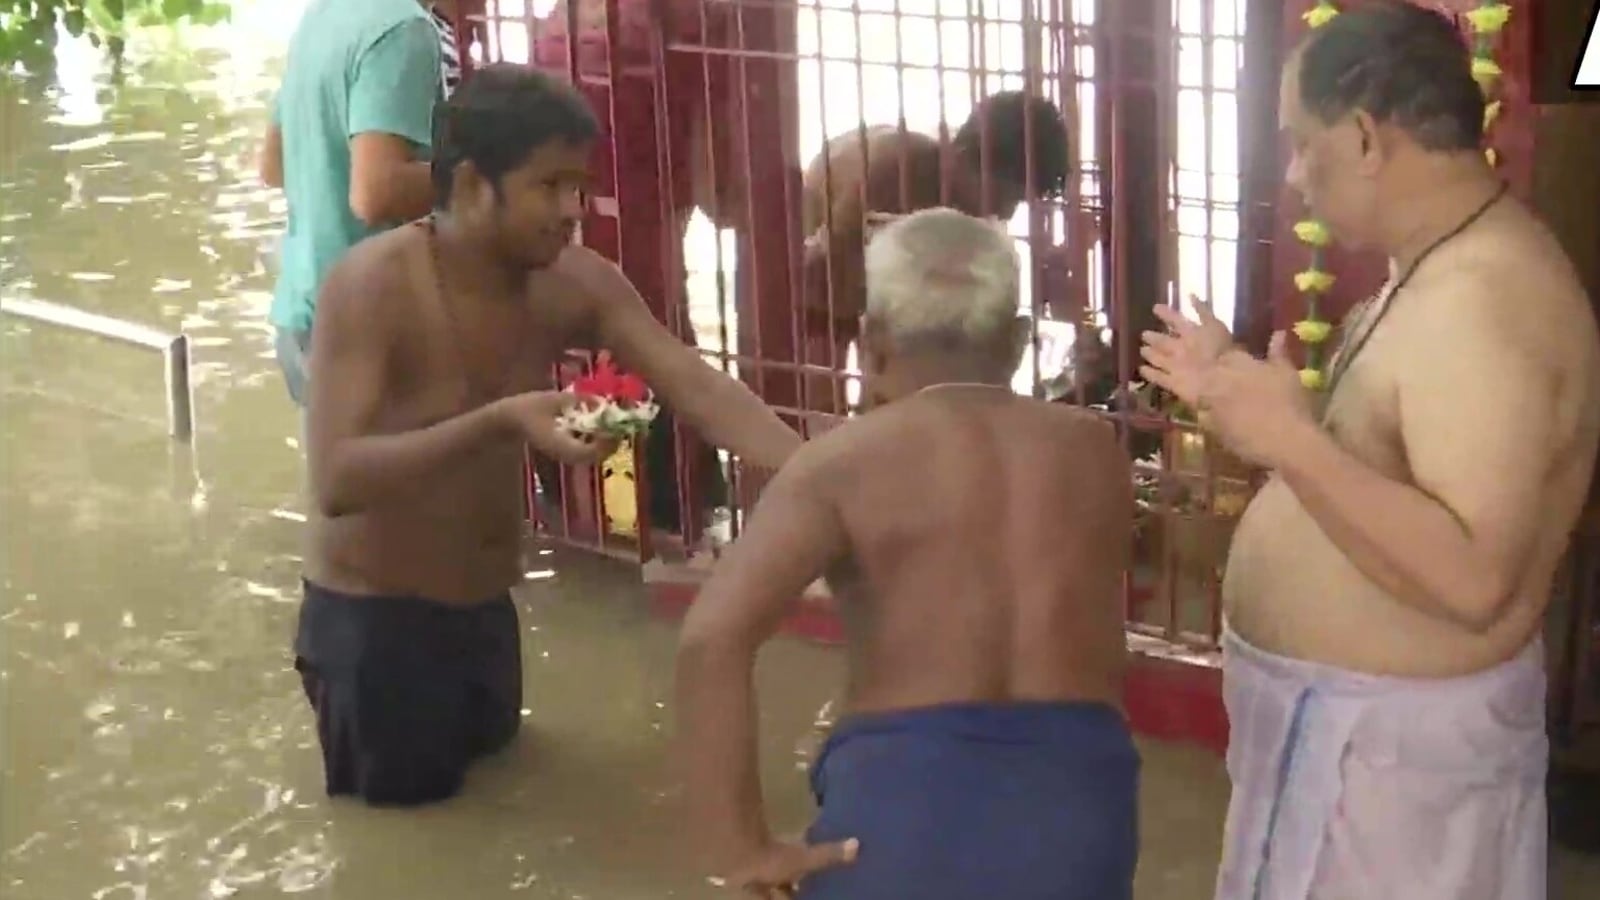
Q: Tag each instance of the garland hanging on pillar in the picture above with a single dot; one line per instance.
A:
(1488, 19)
(1315, 281)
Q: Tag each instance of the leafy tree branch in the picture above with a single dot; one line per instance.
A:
(29, 29)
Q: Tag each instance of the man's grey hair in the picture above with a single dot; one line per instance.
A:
(940, 277)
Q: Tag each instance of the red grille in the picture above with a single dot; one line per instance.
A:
(713, 108)
(1176, 189)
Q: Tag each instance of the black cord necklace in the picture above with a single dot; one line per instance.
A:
(1347, 356)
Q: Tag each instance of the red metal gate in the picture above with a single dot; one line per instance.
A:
(712, 111)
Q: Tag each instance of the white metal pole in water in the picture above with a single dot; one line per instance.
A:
(174, 350)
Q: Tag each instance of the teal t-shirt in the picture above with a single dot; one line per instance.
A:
(354, 66)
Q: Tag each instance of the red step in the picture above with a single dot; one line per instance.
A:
(1174, 693)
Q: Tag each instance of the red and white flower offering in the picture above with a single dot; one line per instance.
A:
(612, 403)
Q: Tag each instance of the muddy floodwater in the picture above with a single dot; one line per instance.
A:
(156, 745)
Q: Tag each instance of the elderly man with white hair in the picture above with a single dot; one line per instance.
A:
(975, 540)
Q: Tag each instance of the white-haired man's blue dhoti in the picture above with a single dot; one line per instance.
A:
(1357, 787)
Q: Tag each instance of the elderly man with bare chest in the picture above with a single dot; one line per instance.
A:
(1383, 669)
(977, 541)
(434, 348)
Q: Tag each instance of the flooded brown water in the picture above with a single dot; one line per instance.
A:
(155, 741)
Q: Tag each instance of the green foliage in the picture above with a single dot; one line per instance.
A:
(28, 28)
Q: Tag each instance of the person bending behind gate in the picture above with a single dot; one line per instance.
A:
(983, 752)
(1385, 596)
(902, 172)
(434, 349)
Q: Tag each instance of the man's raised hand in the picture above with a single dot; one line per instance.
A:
(1176, 359)
(1204, 335)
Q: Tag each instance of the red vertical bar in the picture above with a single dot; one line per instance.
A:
(1213, 589)
(717, 98)
(946, 158)
(978, 70)
(904, 179)
(466, 19)
(750, 313)
(787, 103)
(614, 51)
(1163, 91)
(713, 112)
(1107, 100)
(664, 88)
(822, 327)
(840, 362)
(573, 36)
(1038, 248)
(491, 46)
(766, 75)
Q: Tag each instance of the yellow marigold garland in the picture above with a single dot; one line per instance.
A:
(1488, 20)
(1315, 281)
(1321, 14)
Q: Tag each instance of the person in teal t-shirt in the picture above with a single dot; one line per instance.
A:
(349, 144)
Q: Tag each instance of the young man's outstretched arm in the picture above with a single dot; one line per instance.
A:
(723, 409)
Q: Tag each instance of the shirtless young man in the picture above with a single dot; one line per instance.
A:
(905, 172)
(984, 752)
(1384, 672)
(433, 352)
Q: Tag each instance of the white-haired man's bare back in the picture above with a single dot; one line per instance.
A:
(984, 568)
(977, 541)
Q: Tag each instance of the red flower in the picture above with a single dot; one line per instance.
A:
(630, 389)
(607, 382)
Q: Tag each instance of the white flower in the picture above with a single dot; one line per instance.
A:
(639, 414)
(599, 415)
(586, 417)
(627, 421)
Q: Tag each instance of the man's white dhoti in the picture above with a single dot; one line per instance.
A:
(1358, 787)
